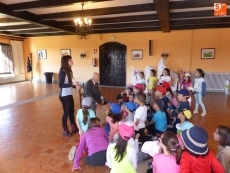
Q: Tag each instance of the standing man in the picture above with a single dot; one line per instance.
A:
(91, 89)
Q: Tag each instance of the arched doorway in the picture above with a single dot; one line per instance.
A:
(112, 64)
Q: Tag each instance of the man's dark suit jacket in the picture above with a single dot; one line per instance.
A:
(91, 90)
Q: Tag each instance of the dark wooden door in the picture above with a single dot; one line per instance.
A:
(112, 64)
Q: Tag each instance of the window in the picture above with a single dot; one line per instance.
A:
(6, 59)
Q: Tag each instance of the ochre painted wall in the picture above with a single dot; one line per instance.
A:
(184, 48)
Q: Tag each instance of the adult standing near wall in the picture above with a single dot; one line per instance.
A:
(91, 89)
(66, 85)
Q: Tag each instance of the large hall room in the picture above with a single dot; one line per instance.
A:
(149, 77)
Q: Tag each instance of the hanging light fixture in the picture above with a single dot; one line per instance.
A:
(83, 26)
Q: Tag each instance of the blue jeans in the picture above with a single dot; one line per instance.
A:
(198, 98)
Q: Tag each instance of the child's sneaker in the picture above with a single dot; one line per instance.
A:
(195, 111)
(72, 152)
(203, 114)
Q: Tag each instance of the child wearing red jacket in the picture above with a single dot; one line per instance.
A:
(197, 158)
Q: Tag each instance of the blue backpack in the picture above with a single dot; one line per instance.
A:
(203, 91)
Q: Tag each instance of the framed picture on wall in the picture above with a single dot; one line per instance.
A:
(207, 53)
(137, 54)
(65, 52)
(42, 54)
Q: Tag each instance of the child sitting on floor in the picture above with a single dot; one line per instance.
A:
(140, 115)
(197, 158)
(130, 108)
(124, 96)
(96, 140)
(170, 94)
(222, 135)
(159, 119)
(170, 156)
(160, 92)
(184, 115)
(84, 114)
(120, 156)
(112, 118)
(182, 96)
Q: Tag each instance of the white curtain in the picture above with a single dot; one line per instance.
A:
(18, 57)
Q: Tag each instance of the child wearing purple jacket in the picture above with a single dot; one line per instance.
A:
(96, 140)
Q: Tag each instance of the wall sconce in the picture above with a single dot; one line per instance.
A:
(164, 55)
(82, 55)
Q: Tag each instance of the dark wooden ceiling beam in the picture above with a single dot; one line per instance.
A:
(47, 4)
(214, 20)
(123, 25)
(116, 19)
(30, 17)
(162, 9)
(200, 26)
(195, 3)
(100, 11)
(194, 14)
(122, 30)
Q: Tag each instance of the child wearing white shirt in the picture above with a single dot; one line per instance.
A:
(140, 115)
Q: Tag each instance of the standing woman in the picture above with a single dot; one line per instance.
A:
(66, 84)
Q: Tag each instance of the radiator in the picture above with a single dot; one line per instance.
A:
(215, 81)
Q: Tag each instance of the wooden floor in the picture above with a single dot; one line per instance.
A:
(30, 127)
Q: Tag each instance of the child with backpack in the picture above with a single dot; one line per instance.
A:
(222, 135)
(197, 158)
(200, 89)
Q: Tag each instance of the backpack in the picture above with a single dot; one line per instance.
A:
(203, 91)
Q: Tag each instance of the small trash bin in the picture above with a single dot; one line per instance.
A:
(49, 77)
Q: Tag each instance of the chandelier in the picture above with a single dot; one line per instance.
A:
(83, 26)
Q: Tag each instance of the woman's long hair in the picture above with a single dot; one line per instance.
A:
(171, 143)
(65, 66)
(85, 114)
(120, 149)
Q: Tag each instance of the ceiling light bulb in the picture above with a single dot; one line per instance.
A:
(89, 21)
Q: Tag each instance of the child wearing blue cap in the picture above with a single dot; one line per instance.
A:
(112, 119)
(130, 108)
(182, 96)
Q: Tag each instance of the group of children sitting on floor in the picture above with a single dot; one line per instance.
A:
(163, 120)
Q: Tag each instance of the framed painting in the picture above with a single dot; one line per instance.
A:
(137, 54)
(65, 52)
(42, 54)
(207, 53)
